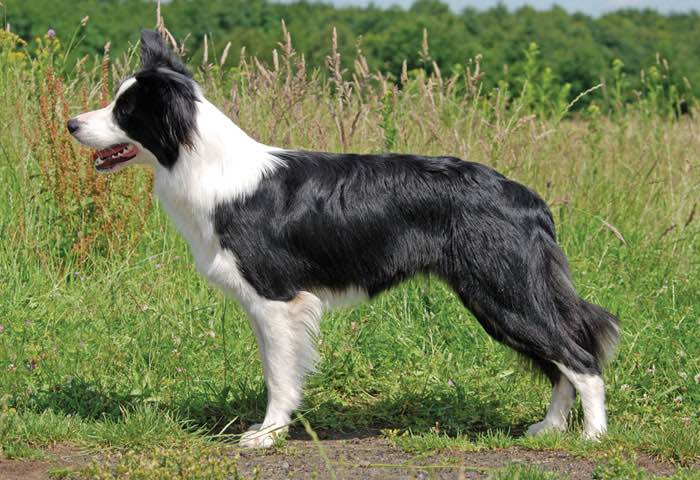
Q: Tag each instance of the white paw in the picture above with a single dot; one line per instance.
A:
(262, 437)
(545, 426)
(594, 434)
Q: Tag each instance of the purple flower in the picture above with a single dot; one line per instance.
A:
(450, 383)
(2, 328)
(51, 33)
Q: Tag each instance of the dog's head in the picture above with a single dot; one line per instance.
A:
(152, 116)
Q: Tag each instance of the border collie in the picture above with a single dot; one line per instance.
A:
(290, 233)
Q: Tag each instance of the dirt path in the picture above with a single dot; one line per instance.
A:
(57, 457)
(354, 458)
(376, 458)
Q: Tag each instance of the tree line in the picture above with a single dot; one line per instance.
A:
(579, 50)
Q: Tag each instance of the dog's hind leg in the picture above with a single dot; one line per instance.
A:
(569, 358)
(592, 390)
(286, 334)
(563, 396)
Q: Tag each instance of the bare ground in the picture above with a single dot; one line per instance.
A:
(57, 457)
(369, 457)
(377, 458)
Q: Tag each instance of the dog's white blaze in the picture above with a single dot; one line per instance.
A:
(592, 391)
(126, 84)
(99, 130)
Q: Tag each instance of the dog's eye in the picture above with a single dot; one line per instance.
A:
(124, 107)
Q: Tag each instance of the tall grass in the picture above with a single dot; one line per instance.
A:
(104, 320)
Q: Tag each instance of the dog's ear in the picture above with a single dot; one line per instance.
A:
(168, 100)
(156, 54)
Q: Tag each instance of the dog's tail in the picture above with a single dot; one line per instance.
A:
(590, 326)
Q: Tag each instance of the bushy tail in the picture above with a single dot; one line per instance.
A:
(590, 326)
(603, 328)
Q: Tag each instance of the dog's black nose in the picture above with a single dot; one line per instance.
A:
(73, 125)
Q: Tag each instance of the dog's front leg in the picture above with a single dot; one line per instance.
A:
(286, 334)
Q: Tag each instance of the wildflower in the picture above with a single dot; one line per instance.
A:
(2, 328)
(450, 383)
(51, 33)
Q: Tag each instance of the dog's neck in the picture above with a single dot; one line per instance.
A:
(224, 164)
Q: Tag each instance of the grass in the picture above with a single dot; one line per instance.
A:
(118, 343)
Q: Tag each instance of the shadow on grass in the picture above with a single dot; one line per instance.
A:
(232, 412)
(84, 399)
(418, 413)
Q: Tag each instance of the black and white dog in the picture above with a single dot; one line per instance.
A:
(291, 233)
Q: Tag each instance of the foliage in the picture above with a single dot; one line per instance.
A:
(620, 468)
(577, 50)
(522, 472)
(87, 211)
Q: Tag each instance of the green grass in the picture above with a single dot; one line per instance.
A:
(128, 348)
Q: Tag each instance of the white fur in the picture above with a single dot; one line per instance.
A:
(563, 396)
(98, 128)
(592, 391)
(286, 334)
(344, 298)
(225, 165)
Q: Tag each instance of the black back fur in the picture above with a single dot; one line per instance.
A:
(339, 221)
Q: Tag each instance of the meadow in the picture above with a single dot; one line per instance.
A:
(111, 344)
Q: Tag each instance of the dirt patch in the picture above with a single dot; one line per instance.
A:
(377, 458)
(365, 457)
(56, 457)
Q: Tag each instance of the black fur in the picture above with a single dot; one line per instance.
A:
(337, 221)
(159, 110)
(156, 54)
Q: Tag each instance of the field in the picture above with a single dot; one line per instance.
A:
(116, 358)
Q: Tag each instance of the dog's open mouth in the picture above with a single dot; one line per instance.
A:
(109, 158)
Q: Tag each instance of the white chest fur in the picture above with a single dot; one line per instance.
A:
(224, 164)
